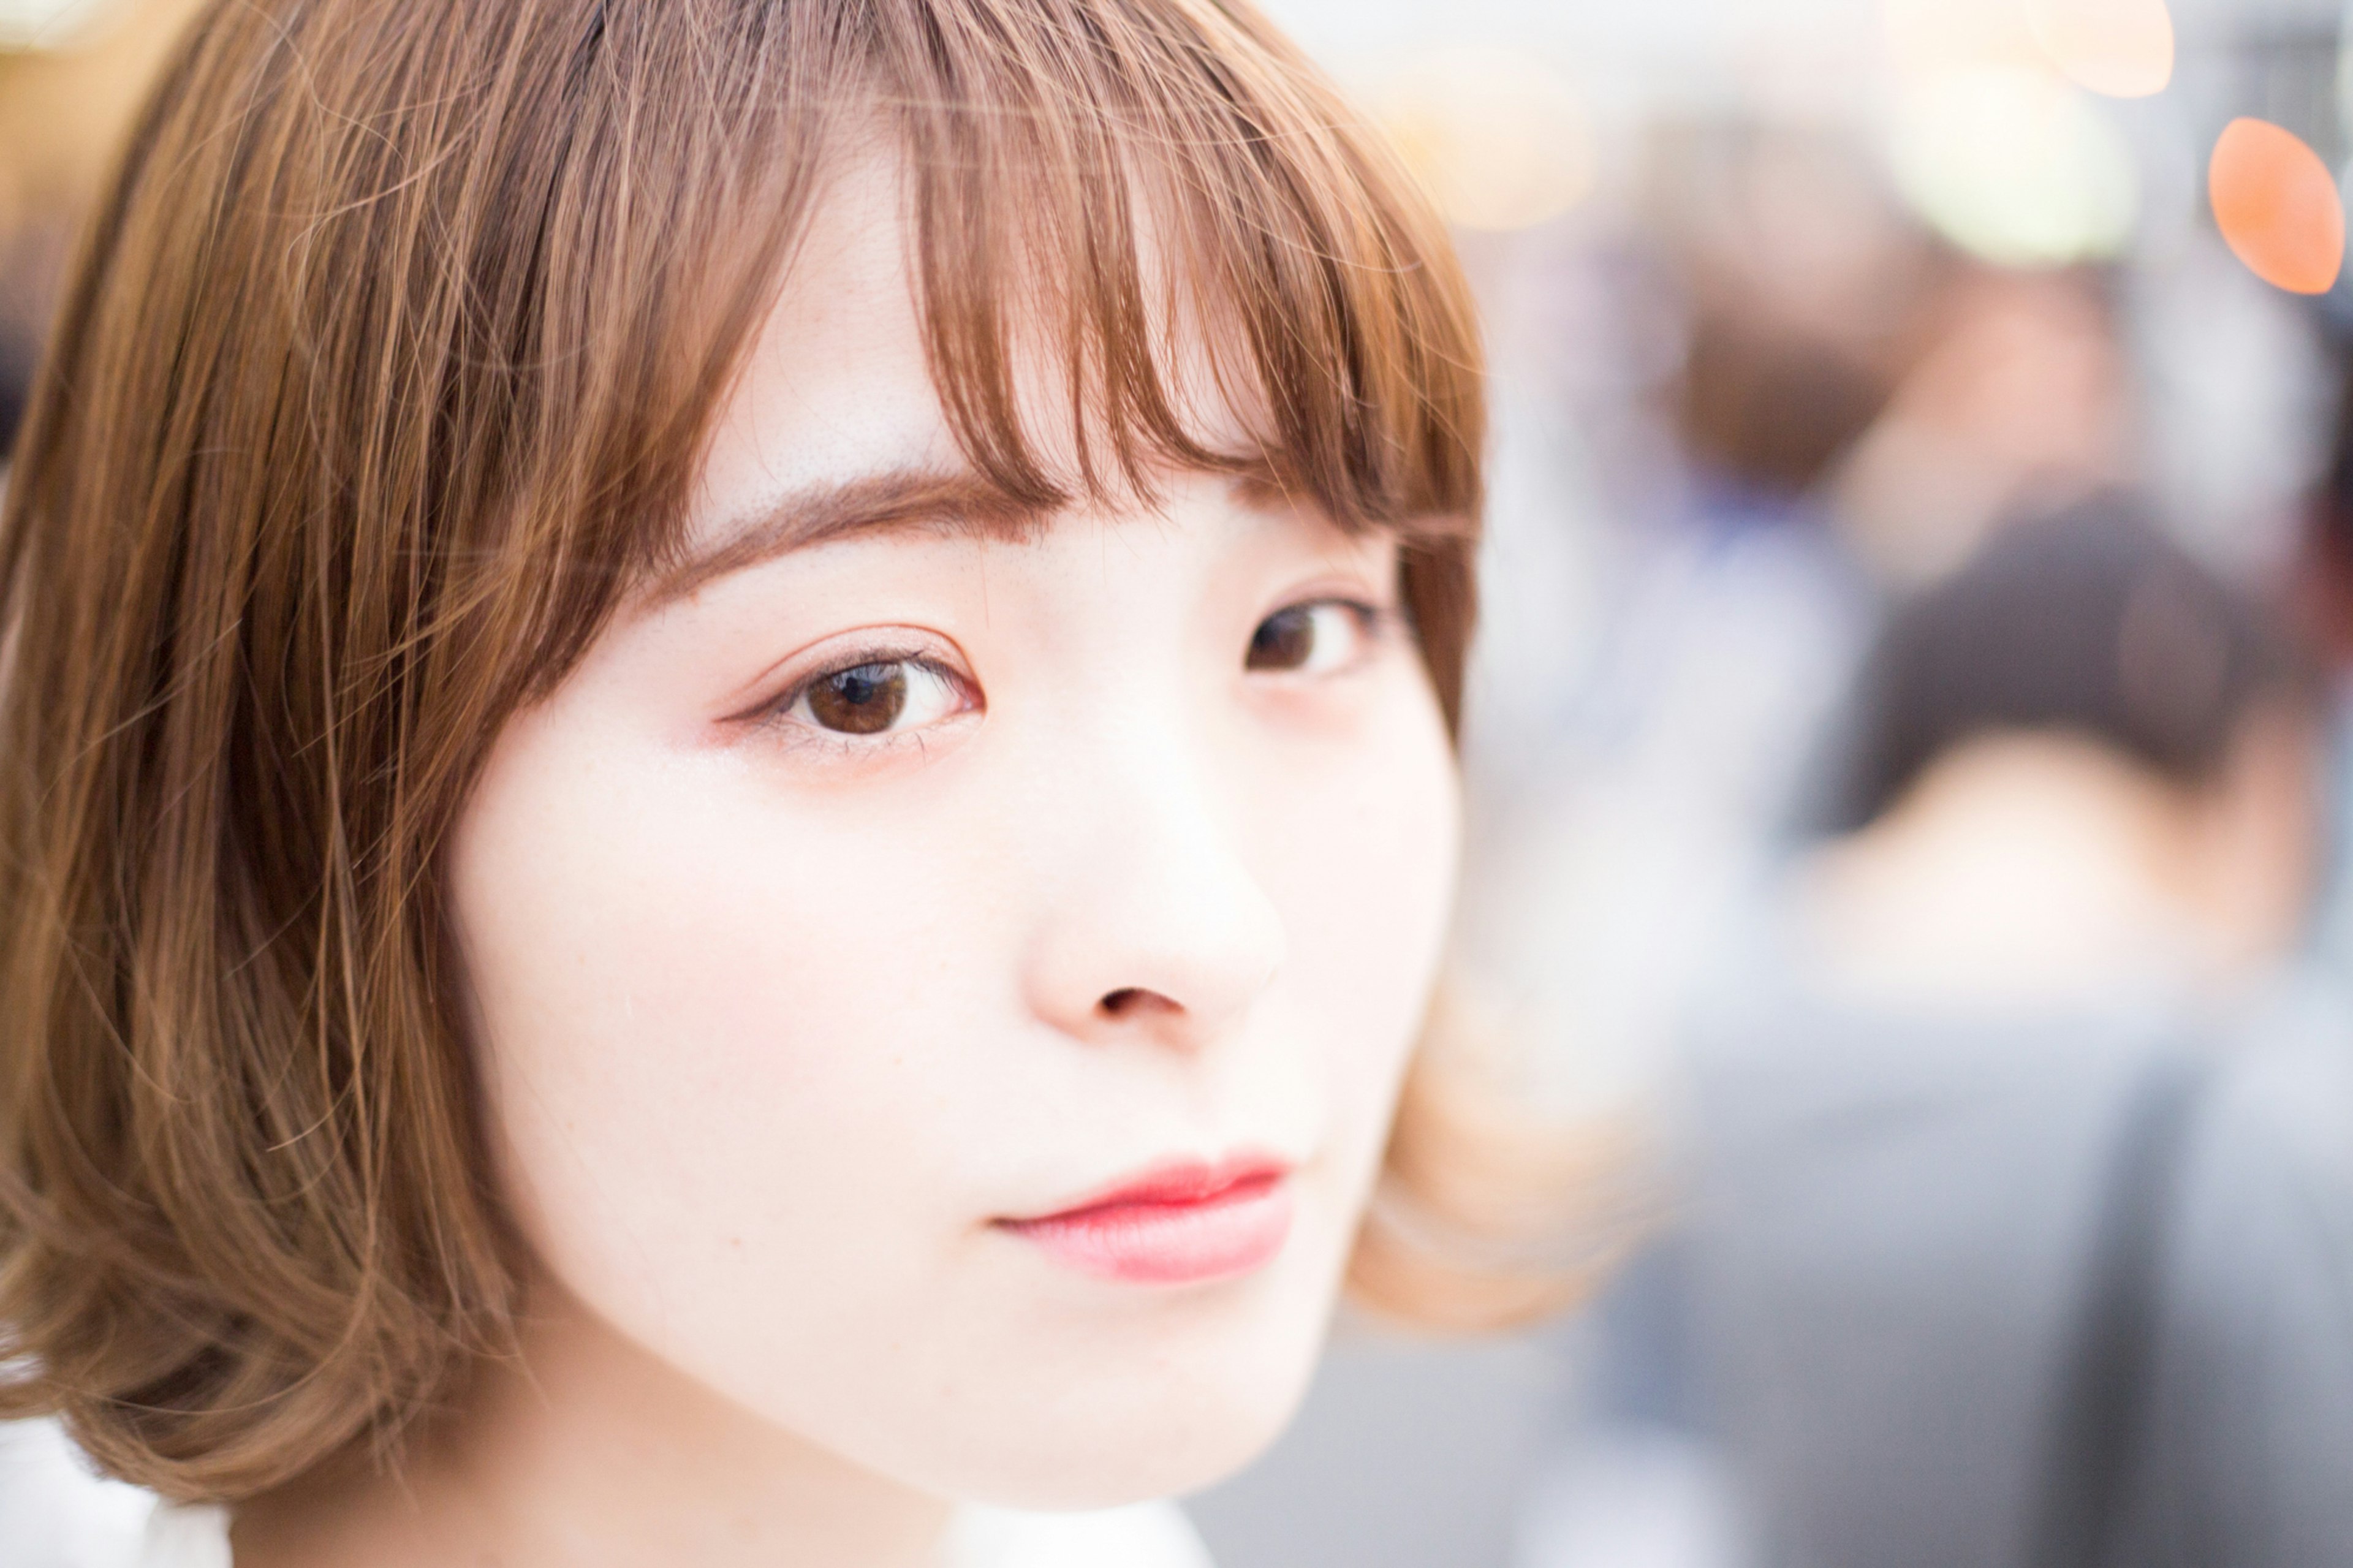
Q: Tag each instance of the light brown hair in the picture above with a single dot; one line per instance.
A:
(385, 374)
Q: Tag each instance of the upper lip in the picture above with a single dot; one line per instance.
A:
(1174, 1182)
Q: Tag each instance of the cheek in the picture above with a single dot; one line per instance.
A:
(655, 969)
(1363, 862)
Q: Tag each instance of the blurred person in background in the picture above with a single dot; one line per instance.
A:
(1857, 405)
(1606, 858)
(2017, 1215)
(2082, 767)
(2016, 399)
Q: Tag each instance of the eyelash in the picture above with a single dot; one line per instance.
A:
(1375, 623)
(776, 715)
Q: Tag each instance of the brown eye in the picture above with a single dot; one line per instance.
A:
(1311, 639)
(1284, 640)
(866, 701)
(880, 696)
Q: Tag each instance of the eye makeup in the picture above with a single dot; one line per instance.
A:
(1317, 636)
(870, 692)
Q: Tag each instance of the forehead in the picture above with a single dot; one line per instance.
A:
(838, 384)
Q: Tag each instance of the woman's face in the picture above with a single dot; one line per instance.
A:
(880, 896)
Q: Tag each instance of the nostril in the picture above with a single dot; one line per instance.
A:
(1126, 1001)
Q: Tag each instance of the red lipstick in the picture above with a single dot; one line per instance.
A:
(1175, 1224)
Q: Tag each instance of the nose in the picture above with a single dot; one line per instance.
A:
(1154, 927)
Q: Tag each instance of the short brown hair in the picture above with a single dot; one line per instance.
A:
(385, 374)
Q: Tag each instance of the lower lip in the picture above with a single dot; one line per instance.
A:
(1225, 1234)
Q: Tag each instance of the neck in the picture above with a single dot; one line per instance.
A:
(585, 1452)
(2019, 869)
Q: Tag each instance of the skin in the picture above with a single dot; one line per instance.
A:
(2040, 868)
(778, 1023)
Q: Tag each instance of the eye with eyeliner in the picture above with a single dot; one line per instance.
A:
(866, 689)
(1291, 640)
(871, 694)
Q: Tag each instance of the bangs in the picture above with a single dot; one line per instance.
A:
(1145, 236)
(1159, 203)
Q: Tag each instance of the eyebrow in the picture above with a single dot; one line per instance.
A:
(892, 501)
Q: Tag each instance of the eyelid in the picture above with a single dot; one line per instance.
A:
(1353, 591)
(1377, 617)
(846, 651)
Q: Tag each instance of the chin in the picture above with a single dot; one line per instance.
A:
(1177, 1445)
(1157, 1421)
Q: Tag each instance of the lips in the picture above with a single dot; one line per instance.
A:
(1179, 1223)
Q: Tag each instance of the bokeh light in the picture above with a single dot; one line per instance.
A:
(2277, 206)
(2122, 49)
(2016, 167)
(1930, 39)
(1502, 141)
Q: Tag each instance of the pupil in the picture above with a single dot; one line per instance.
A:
(1283, 640)
(861, 701)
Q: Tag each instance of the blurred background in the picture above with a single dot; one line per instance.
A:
(1909, 761)
(1908, 764)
